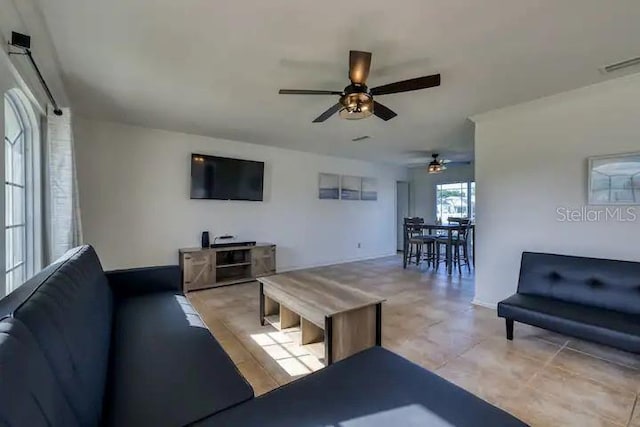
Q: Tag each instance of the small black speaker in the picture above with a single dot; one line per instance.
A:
(205, 239)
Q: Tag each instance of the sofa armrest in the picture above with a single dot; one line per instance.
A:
(145, 280)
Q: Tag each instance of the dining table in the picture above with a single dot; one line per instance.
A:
(449, 228)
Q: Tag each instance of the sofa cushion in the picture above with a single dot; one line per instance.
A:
(609, 284)
(372, 388)
(605, 326)
(29, 392)
(69, 313)
(144, 280)
(167, 369)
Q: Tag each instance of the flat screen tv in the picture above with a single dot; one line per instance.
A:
(222, 178)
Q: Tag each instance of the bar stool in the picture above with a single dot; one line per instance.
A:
(459, 240)
(416, 241)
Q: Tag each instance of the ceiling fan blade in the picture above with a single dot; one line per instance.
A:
(330, 112)
(461, 163)
(359, 64)
(308, 92)
(408, 85)
(383, 112)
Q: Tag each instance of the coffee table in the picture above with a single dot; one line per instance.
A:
(346, 319)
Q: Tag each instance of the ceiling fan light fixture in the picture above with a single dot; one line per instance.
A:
(436, 166)
(358, 105)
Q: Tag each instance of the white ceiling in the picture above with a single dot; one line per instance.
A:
(214, 68)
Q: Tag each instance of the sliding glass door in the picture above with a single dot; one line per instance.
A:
(455, 200)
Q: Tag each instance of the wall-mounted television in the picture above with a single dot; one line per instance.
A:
(222, 178)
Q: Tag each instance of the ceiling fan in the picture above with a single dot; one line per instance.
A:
(356, 100)
(438, 164)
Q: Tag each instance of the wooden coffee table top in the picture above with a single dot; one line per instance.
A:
(317, 297)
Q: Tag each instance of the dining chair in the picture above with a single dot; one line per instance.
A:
(442, 240)
(462, 243)
(459, 241)
(415, 238)
(458, 220)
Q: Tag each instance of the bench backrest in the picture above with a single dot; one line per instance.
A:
(602, 283)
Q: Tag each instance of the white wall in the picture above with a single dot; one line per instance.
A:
(423, 188)
(531, 160)
(136, 211)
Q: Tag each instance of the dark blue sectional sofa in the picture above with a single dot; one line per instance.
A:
(80, 347)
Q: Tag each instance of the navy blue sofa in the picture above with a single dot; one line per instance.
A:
(80, 347)
(83, 348)
(590, 298)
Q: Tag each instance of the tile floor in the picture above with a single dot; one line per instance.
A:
(543, 378)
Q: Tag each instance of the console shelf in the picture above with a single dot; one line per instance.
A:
(238, 264)
(204, 268)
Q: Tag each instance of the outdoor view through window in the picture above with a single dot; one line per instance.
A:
(455, 200)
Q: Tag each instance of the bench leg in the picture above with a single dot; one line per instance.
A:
(509, 323)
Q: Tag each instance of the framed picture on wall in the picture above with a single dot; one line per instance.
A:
(369, 189)
(614, 179)
(329, 186)
(351, 186)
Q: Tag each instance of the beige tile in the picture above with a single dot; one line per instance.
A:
(488, 384)
(539, 409)
(522, 331)
(235, 349)
(294, 367)
(635, 419)
(452, 304)
(422, 352)
(311, 362)
(215, 325)
(451, 340)
(506, 363)
(519, 410)
(580, 392)
(532, 348)
(257, 376)
(477, 324)
(604, 352)
(608, 373)
(256, 345)
(195, 300)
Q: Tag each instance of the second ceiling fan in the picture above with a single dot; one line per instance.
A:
(356, 100)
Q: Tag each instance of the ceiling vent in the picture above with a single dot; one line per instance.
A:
(622, 64)
(361, 138)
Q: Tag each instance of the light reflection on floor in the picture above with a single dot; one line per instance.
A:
(283, 347)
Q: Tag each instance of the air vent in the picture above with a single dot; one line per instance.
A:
(360, 138)
(622, 64)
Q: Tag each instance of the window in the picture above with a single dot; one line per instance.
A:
(455, 200)
(21, 190)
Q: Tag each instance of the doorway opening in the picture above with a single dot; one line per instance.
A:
(402, 211)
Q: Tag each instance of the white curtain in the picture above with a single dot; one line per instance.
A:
(63, 229)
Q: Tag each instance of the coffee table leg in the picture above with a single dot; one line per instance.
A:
(261, 304)
(328, 340)
(379, 324)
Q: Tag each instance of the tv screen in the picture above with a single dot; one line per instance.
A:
(223, 178)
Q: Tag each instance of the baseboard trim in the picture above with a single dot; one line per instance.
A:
(490, 305)
(335, 262)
